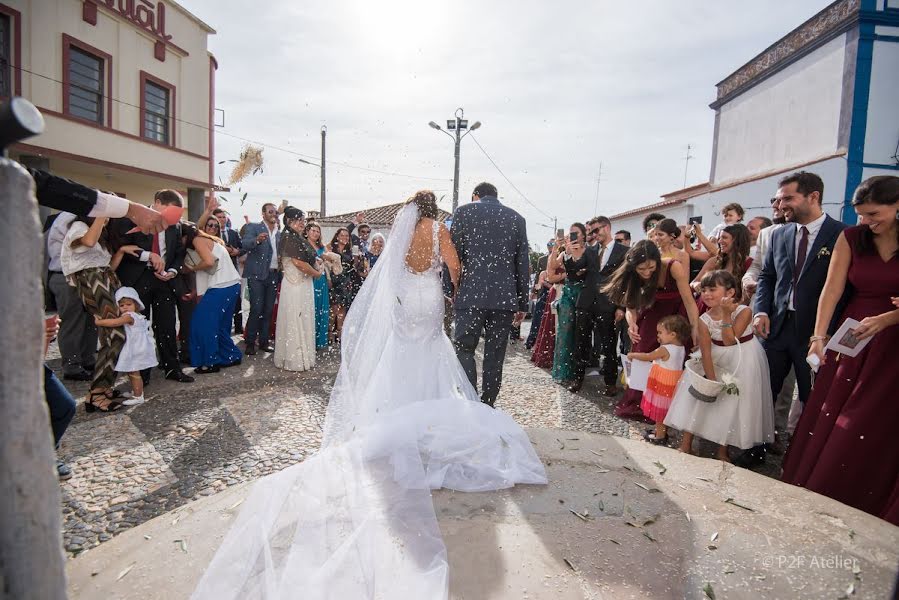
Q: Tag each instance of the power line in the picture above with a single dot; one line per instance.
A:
(247, 140)
(509, 181)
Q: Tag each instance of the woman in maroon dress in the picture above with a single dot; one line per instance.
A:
(650, 289)
(845, 444)
(545, 346)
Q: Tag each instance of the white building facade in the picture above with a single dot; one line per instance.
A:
(824, 98)
(126, 89)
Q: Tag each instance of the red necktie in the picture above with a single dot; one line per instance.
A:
(155, 247)
(800, 256)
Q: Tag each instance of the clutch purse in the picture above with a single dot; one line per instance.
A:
(193, 259)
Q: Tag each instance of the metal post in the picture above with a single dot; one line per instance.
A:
(456, 173)
(323, 205)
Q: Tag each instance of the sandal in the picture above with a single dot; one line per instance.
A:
(107, 405)
(211, 369)
(113, 393)
(650, 436)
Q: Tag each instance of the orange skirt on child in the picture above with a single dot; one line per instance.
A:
(659, 392)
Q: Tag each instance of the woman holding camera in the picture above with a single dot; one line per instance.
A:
(564, 354)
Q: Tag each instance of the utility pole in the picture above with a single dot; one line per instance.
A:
(457, 125)
(687, 163)
(323, 205)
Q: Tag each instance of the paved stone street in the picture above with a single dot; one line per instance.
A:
(194, 440)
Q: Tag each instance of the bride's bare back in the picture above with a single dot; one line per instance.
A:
(420, 257)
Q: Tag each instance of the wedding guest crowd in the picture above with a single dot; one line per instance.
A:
(733, 322)
(726, 325)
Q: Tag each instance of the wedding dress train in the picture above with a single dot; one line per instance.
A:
(356, 520)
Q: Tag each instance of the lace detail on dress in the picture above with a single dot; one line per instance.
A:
(715, 326)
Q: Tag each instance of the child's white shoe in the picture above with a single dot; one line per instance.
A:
(134, 401)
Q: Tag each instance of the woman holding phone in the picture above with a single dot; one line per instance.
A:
(564, 354)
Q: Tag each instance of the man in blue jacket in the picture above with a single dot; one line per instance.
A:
(260, 241)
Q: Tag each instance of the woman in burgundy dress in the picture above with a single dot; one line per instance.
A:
(845, 444)
(650, 289)
(545, 346)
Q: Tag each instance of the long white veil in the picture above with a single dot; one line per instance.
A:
(356, 520)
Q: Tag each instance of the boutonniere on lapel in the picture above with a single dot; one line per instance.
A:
(824, 252)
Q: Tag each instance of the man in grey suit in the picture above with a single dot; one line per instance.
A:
(260, 241)
(492, 243)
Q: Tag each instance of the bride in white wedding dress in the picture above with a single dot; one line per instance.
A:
(356, 520)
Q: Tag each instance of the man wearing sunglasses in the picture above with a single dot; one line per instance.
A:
(260, 241)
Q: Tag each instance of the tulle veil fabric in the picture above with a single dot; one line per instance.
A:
(356, 520)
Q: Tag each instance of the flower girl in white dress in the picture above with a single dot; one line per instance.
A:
(742, 414)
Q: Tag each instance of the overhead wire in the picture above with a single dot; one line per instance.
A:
(248, 140)
(509, 181)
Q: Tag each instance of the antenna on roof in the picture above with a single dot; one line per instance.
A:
(596, 197)
(687, 163)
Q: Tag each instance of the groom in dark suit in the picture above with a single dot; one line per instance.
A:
(791, 281)
(492, 243)
(595, 315)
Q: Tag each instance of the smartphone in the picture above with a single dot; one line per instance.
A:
(572, 236)
(694, 220)
(560, 233)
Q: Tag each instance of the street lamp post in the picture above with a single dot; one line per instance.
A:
(456, 125)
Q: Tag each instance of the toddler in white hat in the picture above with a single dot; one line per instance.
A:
(139, 351)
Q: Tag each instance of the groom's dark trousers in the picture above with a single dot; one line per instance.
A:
(471, 323)
(492, 243)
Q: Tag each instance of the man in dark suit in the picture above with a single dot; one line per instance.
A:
(235, 251)
(154, 274)
(791, 281)
(594, 312)
(492, 243)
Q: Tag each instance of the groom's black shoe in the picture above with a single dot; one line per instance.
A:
(754, 457)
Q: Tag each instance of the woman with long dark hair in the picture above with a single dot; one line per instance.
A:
(564, 352)
(649, 288)
(218, 287)
(845, 443)
(342, 293)
(734, 243)
(320, 286)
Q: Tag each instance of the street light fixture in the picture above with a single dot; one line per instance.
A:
(456, 125)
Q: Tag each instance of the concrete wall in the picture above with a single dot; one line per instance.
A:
(882, 132)
(43, 24)
(790, 118)
(755, 196)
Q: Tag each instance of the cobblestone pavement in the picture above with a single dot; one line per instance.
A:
(193, 440)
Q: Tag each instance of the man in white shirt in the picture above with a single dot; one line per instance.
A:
(77, 332)
(260, 241)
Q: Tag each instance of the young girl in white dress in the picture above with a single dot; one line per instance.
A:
(745, 417)
(139, 352)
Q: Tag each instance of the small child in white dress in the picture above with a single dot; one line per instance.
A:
(745, 417)
(139, 352)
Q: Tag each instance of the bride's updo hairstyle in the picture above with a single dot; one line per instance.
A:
(426, 202)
